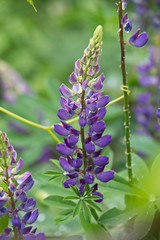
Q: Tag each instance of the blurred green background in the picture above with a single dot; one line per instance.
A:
(42, 47)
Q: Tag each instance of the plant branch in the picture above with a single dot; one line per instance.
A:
(125, 92)
(48, 129)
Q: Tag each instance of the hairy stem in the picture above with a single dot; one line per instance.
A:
(83, 136)
(126, 98)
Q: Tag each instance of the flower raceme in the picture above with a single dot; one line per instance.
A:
(137, 40)
(20, 208)
(81, 153)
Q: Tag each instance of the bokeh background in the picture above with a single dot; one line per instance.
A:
(37, 54)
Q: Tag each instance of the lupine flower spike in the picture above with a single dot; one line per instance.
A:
(13, 199)
(83, 164)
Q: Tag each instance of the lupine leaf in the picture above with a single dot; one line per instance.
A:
(75, 190)
(115, 216)
(92, 230)
(94, 205)
(144, 219)
(94, 214)
(87, 213)
(156, 164)
(140, 170)
(32, 4)
(88, 192)
(122, 185)
(93, 198)
(59, 200)
(52, 173)
(77, 208)
(71, 197)
(52, 178)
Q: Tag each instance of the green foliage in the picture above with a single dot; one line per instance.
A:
(77, 208)
(141, 204)
(4, 220)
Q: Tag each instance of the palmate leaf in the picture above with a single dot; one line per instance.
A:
(86, 210)
(71, 197)
(93, 230)
(32, 4)
(88, 192)
(54, 177)
(114, 216)
(75, 190)
(52, 173)
(144, 219)
(140, 169)
(94, 205)
(77, 208)
(94, 214)
(93, 198)
(121, 184)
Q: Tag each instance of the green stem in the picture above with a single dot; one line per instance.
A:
(31, 123)
(48, 129)
(83, 136)
(126, 99)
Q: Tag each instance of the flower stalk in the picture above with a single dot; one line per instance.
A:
(49, 128)
(126, 97)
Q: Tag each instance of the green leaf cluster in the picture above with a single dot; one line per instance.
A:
(142, 198)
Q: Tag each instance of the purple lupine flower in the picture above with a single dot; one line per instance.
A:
(90, 107)
(90, 147)
(127, 23)
(105, 176)
(65, 91)
(17, 187)
(61, 130)
(3, 210)
(139, 40)
(70, 181)
(103, 141)
(63, 149)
